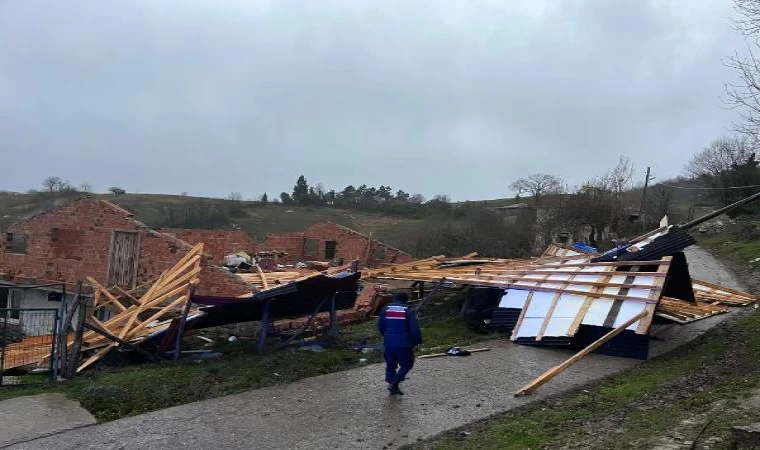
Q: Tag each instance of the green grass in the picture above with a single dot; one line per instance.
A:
(255, 218)
(738, 243)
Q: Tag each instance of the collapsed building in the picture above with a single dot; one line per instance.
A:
(152, 285)
(92, 238)
(134, 279)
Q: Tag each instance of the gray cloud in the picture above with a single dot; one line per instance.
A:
(457, 97)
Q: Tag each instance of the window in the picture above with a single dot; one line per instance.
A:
(11, 298)
(54, 296)
(15, 243)
(330, 249)
(310, 248)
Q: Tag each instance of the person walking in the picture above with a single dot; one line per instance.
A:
(401, 334)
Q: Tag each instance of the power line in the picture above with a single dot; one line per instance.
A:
(710, 188)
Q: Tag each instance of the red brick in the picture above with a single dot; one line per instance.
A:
(72, 242)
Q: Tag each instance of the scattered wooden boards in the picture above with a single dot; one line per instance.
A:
(711, 293)
(151, 312)
(681, 311)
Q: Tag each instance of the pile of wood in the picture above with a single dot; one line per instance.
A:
(681, 311)
(138, 317)
(715, 293)
(265, 280)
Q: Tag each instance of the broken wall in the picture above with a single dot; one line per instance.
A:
(329, 241)
(75, 241)
(217, 243)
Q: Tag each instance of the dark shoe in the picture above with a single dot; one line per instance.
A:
(394, 389)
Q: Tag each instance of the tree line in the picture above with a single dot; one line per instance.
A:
(363, 197)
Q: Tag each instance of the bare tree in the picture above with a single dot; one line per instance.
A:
(720, 157)
(538, 185)
(417, 199)
(745, 93)
(53, 184)
(85, 187)
(620, 177)
(235, 196)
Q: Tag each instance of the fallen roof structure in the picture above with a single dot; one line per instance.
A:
(571, 300)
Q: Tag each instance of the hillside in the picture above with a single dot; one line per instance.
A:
(255, 218)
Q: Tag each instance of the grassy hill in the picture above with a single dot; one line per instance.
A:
(255, 218)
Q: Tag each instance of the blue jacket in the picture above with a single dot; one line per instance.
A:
(399, 327)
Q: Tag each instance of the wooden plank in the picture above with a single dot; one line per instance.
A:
(178, 303)
(724, 288)
(554, 371)
(646, 321)
(264, 283)
(522, 317)
(105, 292)
(550, 311)
(100, 354)
(132, 298)
(413, 276)
(588, 300)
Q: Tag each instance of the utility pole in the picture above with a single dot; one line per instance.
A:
(644, 197)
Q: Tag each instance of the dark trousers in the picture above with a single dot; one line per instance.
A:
(398, 362)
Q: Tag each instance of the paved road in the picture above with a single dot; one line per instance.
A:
(351, 409)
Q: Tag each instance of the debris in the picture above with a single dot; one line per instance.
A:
(169, 294)
(554, 371)
(458, 352)
(712, 293)
(681, 311)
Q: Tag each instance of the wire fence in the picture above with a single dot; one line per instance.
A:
(27, 339)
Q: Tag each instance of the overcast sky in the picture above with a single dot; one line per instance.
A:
(439, 96)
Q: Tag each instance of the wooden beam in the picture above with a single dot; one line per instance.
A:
(264, 282)
(554, 371)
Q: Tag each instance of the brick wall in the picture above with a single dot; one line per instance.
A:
(292, 243)
(218, 243)
(350, 245)
(72, 242)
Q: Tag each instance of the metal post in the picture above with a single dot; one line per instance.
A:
(181, 327)
(56, 355)
(5, 346)
(77, 343)
(643, 199)
(53, 342)
(333, 331)
(717, 212)
(264, 325)
(63, 339)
